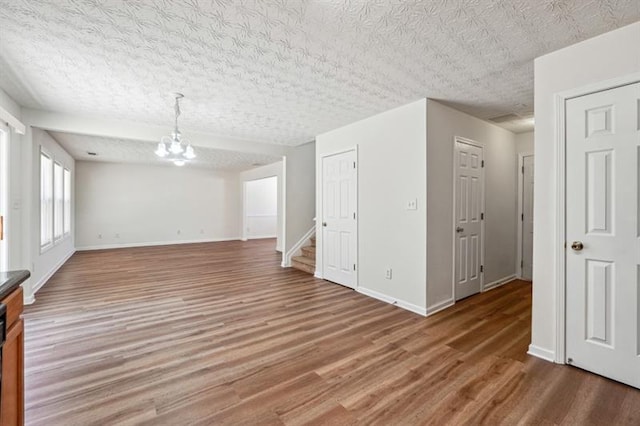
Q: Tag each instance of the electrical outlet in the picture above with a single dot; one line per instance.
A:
(202, 231)
(412, 204)
(178, 232)
(117, 235)
(99, 236)
(388, 273)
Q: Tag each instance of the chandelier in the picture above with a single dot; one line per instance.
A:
(174, 148)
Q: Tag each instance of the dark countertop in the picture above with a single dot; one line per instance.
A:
(10, 280)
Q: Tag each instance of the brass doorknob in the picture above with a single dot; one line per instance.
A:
(577, 245)
(324, 223)
(459, 229)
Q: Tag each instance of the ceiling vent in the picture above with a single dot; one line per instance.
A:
(505, 118)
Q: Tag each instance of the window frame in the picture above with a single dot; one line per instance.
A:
(50, 240)
(66, 189)
(58, 201)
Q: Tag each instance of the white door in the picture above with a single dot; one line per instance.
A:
(603, 248)
(469, 202)
(526, 263)
(339, 220)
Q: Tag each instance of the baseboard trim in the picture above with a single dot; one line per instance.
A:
(31, 298)
(318, 275)
(500, 282)
(157, 243)
(286, 259)
(541, 353)
(261, 237)
(393, 301)
(440, 306)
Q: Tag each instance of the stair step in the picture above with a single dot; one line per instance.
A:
(303, 267)
(309, 251)
(306, 260)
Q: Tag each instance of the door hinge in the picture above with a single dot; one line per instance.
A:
(522, 264)
(482, 163)
(522, 217)
(354, 215)
(481, 268)
(354, 266)
(481, 216)
(354, 164)
(522, 169)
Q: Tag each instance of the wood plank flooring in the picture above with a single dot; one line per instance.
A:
(219, 333)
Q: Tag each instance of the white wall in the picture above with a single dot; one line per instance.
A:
(443, 124)
(300, 177)
(45, 263)
(601, 58)
(128, 204)
(524, 142)
(277, 170)
(261, 208)
(391, 171)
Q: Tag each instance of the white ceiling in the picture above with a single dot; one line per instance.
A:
(283, 71)
(137, 152)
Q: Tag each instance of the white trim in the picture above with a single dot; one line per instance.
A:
(560, 235)
(440, 306)
(388, 299)
(155, 243)
(12, 121)
(48, 275)
(286, 258)
(480, 145)
(538, 352)
(259, 237)
(519, 253)
(500, 282)
(28, 299)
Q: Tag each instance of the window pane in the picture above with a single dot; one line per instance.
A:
(58, 197)
(46, 200)
(67, 201)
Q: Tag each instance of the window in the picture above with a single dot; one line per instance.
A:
(67, 201)
(46, 200)
(58, 201)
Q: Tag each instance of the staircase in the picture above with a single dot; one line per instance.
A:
(307, 261)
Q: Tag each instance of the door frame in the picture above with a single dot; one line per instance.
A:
(560, 140)
(5, 190)
(244, 236)
(519, 254)
(480, 145)
(320, 211)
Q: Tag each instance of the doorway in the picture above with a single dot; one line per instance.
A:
(602, 233)
(525, 216)
(339, 218)
(469, 217)
(260, 215)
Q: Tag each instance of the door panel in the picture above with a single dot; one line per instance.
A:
(527, 217)
(603, 143)
(468, 227)
(339, 218)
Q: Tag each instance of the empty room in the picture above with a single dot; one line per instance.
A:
(340, 212)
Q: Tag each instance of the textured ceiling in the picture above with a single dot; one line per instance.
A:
(283, 71)
(131, 151)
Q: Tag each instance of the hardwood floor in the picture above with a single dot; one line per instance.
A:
(219, 333)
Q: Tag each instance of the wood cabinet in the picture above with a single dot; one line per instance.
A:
(12, 396)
